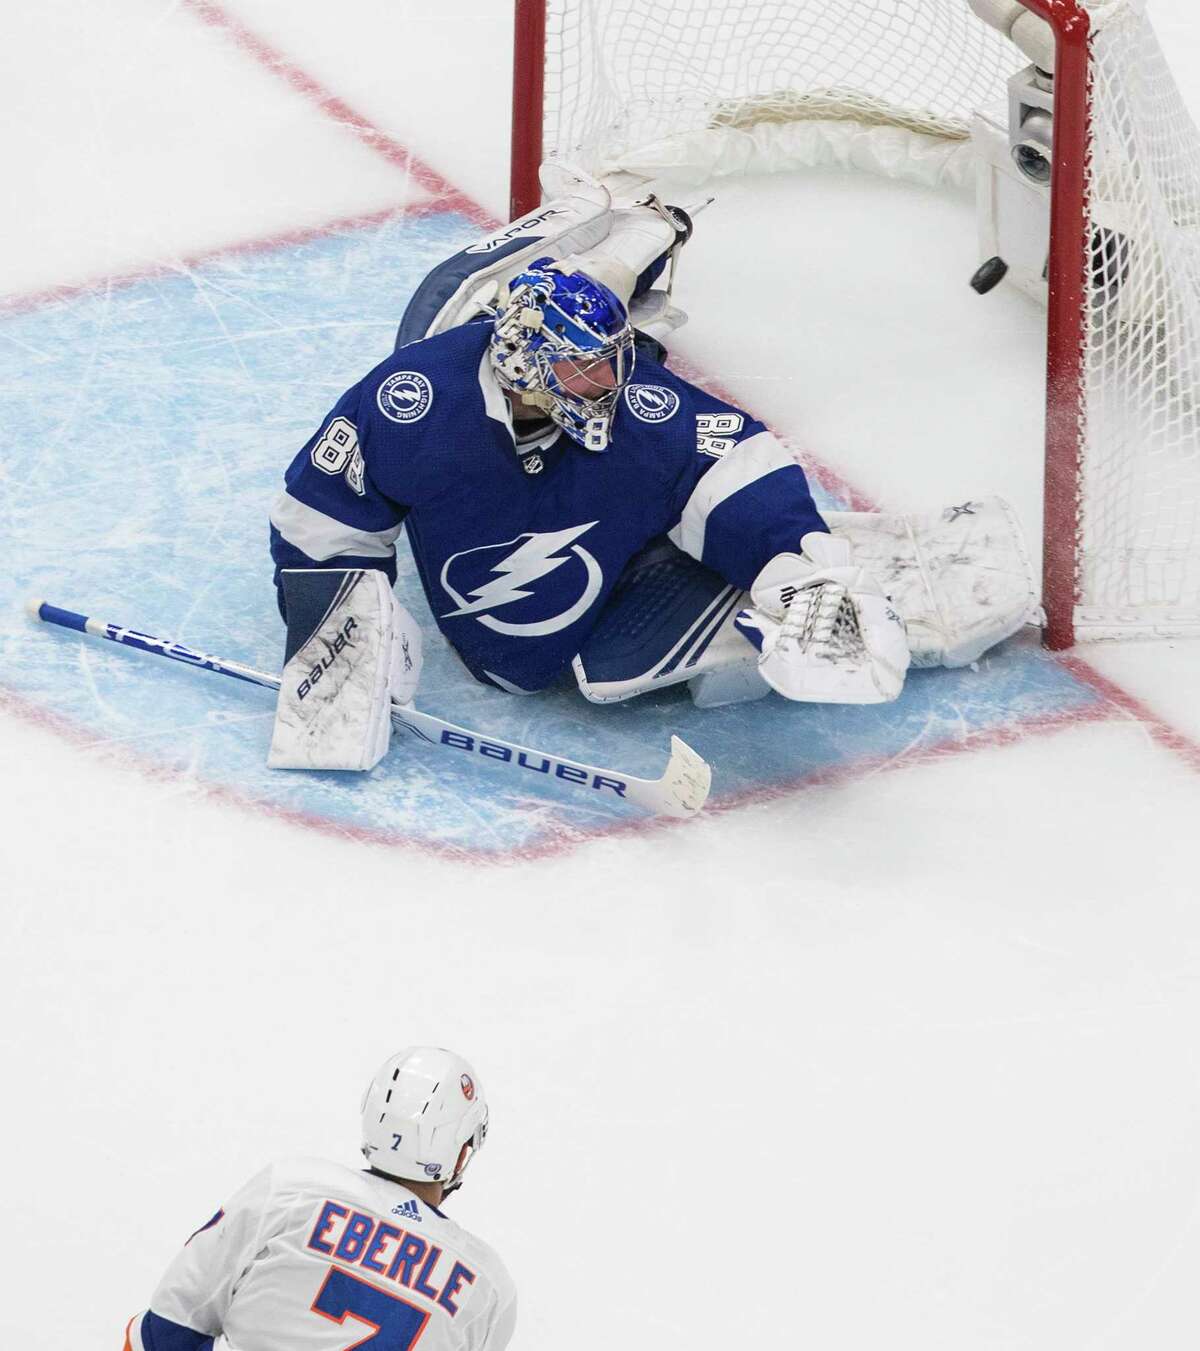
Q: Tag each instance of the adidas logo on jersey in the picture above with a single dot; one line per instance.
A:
(409, 1209)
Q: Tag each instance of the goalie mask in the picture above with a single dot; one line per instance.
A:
(420, 1109)
(564, 342)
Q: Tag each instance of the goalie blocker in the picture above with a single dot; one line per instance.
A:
(351, 649)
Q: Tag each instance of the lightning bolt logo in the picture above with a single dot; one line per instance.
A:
(405, 396)
(535, 557)
(651, 403)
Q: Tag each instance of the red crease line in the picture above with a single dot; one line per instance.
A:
(1171, 738)
(175, 267)
(373, 137)
(816, 469)
(563, 838)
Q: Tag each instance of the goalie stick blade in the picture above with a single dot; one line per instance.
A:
(680, 792)
(683, 788)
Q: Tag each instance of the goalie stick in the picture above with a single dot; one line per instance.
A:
(680, 792)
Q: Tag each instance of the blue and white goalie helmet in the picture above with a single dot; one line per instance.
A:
(565, 343)
(420, 1109)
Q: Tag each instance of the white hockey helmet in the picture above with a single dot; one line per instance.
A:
(419, 1110)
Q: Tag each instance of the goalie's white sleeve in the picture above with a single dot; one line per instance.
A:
(314, 1256)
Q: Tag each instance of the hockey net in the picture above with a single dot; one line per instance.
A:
(698, 88)
(642, 84)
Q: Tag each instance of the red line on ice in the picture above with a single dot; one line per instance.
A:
(127, 758)
(20, 304)
(373, 137)
(1186, 747)
(444, 196)
(817, 470)
(564, 837)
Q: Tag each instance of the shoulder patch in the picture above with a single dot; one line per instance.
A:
(651, 403)
(405, 397)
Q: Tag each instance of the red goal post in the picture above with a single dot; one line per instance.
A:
(1103, 368)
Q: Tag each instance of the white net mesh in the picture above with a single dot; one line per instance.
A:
(1139, 560)
(647, 84)
(625, 74)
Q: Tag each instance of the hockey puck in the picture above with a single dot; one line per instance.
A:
(988, 275)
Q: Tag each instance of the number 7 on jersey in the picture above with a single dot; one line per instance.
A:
(397, 1324)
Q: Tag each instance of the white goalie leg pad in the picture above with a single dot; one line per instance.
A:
(579, 227)
(352, 648)
(638, 235)
(961, 578)
(825, 630)
(472, 281)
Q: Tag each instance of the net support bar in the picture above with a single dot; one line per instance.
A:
(1065, 319)
(529, 66)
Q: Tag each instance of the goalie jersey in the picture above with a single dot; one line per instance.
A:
(312, 1256)
(519, 545)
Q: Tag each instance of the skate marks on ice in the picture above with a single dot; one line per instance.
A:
(146, 429)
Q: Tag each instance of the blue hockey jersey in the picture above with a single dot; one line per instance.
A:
(519, 547)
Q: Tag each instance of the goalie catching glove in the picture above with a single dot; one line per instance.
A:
(351, 649)
(825, 631)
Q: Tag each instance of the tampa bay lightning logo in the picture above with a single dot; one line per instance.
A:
(506, 576)
(405, 396)
(651, 403)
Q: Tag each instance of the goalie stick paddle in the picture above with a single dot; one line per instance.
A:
(680, 792)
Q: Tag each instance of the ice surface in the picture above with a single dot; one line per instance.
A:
(903, 1030)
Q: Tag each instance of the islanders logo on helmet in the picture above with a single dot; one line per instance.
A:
(563, 341)
(468, 1087)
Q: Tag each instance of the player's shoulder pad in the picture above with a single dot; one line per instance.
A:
(482, 1257)
(426, 381)
(300, 1174)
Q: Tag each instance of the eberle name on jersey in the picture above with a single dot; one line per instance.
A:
(358, 1238)
(307, 1252)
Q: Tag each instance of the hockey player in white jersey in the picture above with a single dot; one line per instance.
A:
(315, 1256)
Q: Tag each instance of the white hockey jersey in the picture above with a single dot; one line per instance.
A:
(314, 1256)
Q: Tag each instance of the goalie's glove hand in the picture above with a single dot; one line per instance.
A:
(825, 631)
